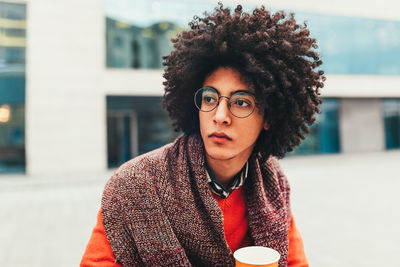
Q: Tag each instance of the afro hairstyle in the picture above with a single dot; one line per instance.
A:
(275, 56)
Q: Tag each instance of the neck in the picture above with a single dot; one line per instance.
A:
(225, 170)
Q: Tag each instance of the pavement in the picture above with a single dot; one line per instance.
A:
(346, 207)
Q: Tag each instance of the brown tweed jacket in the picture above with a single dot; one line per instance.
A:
(158, 209)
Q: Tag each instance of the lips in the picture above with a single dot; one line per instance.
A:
(219, 137)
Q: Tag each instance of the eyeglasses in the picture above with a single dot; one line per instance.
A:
(241, 103)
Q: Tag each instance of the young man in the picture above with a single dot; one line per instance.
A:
(242, 88)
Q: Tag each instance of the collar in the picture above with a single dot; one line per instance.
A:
(219, 189)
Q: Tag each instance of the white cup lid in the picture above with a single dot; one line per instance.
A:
(256, 255)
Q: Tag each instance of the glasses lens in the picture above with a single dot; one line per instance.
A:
(242, 104)
(206, 99)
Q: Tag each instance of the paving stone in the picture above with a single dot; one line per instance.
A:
(345, 207)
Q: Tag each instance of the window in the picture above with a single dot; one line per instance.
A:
(391, 112)
(12, 87)
(324, 135)
(138, 34)
(135, 125)
(352, 45)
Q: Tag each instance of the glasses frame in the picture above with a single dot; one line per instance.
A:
(228, 98)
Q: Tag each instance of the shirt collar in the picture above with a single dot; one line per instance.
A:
(219, 189)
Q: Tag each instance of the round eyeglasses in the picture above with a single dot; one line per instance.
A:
(241, 103)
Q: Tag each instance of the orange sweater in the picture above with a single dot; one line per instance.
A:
(98, 251)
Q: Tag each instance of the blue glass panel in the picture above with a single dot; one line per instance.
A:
(137, 117)
(391, 111)
(138, 34)
(324, 135)
(12, 87)
(350, 45)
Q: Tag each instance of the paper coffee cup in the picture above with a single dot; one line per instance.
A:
(256, 256)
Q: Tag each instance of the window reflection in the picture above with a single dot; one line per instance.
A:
(324, 135)
(138, 33)
(12, 87)
(391, 111)
(135, 125)
(130, 46)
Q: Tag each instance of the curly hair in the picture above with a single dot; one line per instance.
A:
(275, 56)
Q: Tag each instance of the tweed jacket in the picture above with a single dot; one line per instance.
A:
(158, 209)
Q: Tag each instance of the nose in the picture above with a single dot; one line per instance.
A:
(222, 114)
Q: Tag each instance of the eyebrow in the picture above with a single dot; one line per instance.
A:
(234, 92)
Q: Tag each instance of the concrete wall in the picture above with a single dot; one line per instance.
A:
(368, 86)
(387, 9)
(361, 125)
(65, 103)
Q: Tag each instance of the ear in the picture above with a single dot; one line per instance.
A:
(266, 126)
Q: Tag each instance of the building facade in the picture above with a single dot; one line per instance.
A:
(80, 91)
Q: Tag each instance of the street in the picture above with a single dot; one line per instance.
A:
(345, 206)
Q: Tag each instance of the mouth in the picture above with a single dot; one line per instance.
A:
(219, 137)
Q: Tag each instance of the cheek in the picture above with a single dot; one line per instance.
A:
(203, 122)
(253, 129)
(201, 119)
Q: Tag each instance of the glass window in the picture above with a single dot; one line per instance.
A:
(12, 87)
(138, 33)
(135, 125)
(324, 135)
(352, 45)
(130, 46)
(391, 112)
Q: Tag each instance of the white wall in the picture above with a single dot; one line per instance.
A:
(361, 86)
(65, 103)
(133, 82)
(379, 9)
(361, 125)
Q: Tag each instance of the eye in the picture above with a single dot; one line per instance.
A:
(209, 99)
(241, 103)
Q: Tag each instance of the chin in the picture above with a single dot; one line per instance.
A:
(219, 154)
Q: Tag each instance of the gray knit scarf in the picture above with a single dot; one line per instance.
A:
(158, 209)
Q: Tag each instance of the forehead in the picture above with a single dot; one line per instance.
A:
(225, 80)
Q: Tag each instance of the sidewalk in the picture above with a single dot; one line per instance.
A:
(345, 207)
(47, 222)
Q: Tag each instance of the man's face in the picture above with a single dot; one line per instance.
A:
(225, 136)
